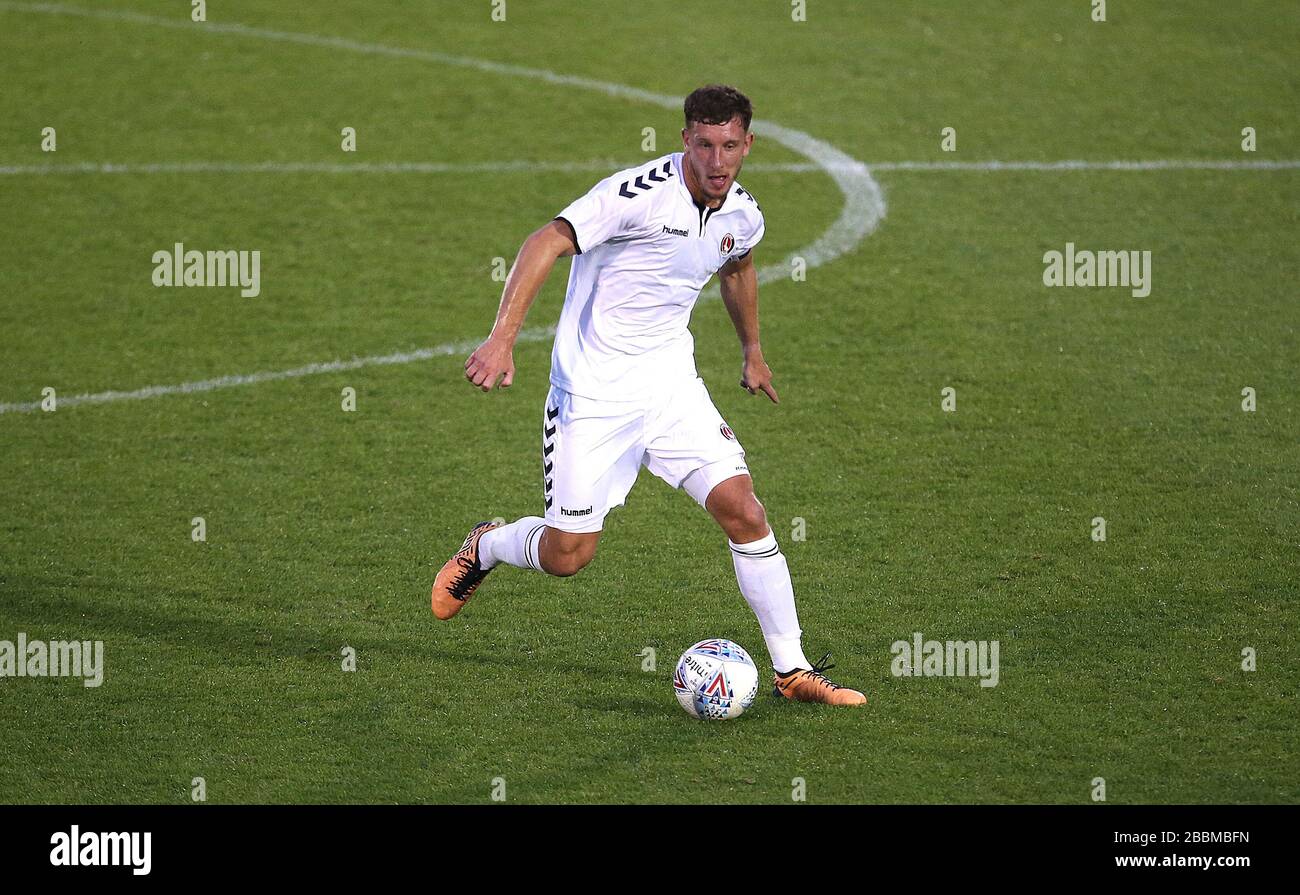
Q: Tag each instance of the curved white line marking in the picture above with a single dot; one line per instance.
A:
(534, 334)
(606, 165)
(864, 204)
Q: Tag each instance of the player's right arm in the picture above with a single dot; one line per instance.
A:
(495, 357)
(608, 211)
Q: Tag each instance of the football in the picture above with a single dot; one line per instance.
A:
(715, 679)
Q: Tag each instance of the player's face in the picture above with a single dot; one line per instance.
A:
(715, 153)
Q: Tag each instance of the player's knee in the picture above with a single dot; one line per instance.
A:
(564, 560)
(566, 564)
(753, 517)
(747, 521)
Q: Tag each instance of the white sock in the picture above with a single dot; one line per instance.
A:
(516, 544)
(764, 579)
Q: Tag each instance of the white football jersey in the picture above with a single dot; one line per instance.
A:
(646, 249)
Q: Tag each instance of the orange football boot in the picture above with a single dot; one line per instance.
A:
(460, 576)
(810, 685)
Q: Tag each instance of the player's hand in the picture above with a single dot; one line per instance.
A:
(757, 376)
(488, 362)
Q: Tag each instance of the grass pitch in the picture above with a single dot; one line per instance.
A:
(1120, 659)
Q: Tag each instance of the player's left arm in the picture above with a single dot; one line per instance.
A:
(739, 284)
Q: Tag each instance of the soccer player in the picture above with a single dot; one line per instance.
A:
(624, 389)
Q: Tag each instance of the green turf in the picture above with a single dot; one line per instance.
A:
(1119, 659)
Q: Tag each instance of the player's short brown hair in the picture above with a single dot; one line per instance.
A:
(717, 104)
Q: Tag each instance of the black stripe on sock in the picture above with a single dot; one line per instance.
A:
(528, 548)
(766, 553)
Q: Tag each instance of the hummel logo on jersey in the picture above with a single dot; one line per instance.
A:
(654, 175)
(624, 329)
(565, 511)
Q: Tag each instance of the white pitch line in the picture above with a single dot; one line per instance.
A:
(498, 167)
(534, 334)
(1078, 165)
(502, 167)
(864, 203)
(863, 210)
(608, 165)
(864, 206)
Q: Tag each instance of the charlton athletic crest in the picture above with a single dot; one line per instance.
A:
(726, 432)
(728, 243)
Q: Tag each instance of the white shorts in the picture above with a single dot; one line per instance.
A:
(593, 450)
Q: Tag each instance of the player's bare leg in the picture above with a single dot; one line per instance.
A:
(764, 579)
(565, 553)
(528, 543)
